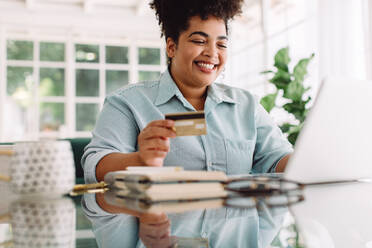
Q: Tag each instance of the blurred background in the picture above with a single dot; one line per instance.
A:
(60, 58)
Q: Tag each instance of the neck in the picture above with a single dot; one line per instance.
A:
(196, 96)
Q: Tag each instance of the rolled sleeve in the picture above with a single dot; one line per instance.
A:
(91, 207)
(90, 163)
(271, 145)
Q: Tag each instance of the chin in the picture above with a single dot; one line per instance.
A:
(205, 81)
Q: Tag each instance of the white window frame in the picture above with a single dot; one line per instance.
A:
(70, 99)
(264, 45)
(368, 40)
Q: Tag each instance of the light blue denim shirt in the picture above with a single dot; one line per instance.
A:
(223, 227)
(241, 138)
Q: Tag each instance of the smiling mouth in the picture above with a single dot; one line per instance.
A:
(206, 66)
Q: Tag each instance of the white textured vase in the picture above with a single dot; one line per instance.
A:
(43, 223)
(43, 168)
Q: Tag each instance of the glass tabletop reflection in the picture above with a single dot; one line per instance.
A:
(328, 216)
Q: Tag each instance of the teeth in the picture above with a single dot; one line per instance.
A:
(207, 66)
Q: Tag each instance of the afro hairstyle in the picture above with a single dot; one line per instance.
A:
(174, 15)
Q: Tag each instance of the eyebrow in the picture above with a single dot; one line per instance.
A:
(222, 37)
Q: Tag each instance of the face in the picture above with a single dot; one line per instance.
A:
(200, 54)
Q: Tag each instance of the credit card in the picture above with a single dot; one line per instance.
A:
(188, 123)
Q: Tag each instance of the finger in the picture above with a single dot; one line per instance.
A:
(156, 231)
(154, 153)
(161, 123)
(157, 243)
(156, 144)
(153, 218)
(150, 132)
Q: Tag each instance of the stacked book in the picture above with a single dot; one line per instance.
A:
(166, 189)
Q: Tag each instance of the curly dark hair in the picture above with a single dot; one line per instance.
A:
(174, 15)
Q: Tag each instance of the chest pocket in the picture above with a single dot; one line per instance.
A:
(239, 156)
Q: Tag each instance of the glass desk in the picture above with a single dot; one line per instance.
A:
(329, 216)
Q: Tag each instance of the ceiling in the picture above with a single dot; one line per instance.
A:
(87, 6)
(137, 7)
(119, 18)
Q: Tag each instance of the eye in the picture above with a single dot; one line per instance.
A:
(198, 42)
(222, 45)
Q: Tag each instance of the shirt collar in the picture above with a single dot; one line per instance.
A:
(168, 89)
(217, 92)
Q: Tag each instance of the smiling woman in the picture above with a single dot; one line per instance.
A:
(132, 131)
(241, 137)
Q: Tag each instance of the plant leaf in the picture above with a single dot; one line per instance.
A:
(281, 79)
(300, 70)
(297, 109)
(285, 127)
(293, 137)
(293, 133)
(295, 128)
(282, 59)
(266, 72)
(268, 101)
(294, 91)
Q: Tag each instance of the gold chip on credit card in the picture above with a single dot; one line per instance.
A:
(188, 123)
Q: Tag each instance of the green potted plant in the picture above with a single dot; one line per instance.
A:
(289, 85)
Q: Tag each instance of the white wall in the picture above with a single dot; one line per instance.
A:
(265, 27)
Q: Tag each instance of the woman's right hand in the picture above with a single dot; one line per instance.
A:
(153, 142)
(154, 230)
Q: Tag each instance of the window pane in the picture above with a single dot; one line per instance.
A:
(20, 50)
(116, 80)
(19, 82)
(87, 53)
(148, 75)
(86, 114)
(52, 116)
(284, 14)
(18, 118)
(117, 55)
(52, 51)
(87, 82)
(149, 56)
(52, 82)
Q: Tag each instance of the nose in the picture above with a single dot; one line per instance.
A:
(211, 50)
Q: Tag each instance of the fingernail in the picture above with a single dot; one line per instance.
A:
(170, 122)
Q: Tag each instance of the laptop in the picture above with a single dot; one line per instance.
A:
(335, 145)
(336, 141)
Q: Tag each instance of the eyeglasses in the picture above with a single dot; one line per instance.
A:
(249, 192)
(272, 190)
(256, 185)
(277, 200)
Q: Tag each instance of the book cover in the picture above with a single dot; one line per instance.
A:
(173, 192)
(116, 199)
(153, 176)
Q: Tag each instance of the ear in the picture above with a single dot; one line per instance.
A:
(171, 47)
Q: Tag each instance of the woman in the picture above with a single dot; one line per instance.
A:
(131, 130)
